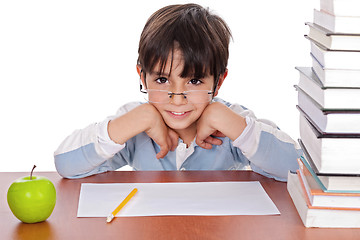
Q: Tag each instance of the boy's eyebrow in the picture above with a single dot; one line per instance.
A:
(159, 73)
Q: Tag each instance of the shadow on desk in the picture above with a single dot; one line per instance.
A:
(43, 230)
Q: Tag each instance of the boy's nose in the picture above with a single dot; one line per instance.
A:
(178, 99)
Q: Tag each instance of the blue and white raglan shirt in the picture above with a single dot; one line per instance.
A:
(262, 147)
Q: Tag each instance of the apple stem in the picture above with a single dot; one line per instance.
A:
(32, 172)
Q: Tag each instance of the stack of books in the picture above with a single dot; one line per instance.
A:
(326, 188)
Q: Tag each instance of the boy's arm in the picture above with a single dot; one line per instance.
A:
(89, 151)
(218, 117)
(270, 151)
(86, 151)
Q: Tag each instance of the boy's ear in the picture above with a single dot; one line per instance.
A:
(220, 82)
(141, 74)
(138, 69)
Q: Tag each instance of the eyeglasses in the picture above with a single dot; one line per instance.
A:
(163, 96)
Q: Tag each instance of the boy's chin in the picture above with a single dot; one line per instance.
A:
(177, 126)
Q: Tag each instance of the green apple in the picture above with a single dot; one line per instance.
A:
(32, 198)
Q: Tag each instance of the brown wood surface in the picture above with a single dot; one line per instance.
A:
(63, 223)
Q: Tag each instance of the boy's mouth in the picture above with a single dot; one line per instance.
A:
(178, 114)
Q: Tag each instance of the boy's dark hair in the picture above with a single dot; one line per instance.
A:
(202, 37)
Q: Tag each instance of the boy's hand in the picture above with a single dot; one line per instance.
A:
(218, 120)
(144, 118)
(165, 137)
(212, 140)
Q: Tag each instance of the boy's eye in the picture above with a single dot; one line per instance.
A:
(161, 80)
(195, 81)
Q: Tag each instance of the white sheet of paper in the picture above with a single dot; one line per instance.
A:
(193, 198)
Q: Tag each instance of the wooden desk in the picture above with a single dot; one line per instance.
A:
(63, 223)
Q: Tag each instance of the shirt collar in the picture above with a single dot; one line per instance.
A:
(192, 143)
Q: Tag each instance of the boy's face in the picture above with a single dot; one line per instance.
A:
(178, 112)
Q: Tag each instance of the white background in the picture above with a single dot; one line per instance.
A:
(66, 64)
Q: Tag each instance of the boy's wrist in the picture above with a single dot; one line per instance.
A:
(112, 130)
(107, 146)
(227, 121)
(148, 115)
(123, 128)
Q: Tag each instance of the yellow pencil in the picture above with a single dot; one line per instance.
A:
(121, 205)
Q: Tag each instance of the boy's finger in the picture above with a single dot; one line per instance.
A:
(218, 134)
(164, 149)
(162, 153)
(203, 144)
(213, 141)
(174, 138)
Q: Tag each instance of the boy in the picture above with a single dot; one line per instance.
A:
(183, 53)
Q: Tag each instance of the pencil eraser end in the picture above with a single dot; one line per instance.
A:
(109, 218)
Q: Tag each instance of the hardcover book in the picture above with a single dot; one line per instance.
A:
(332, 183)
(333, 41)
(349, 8)
(339, 98)
(331, 77)
(328, 121)
(312, 217)
(337, 24)
(335, 59)
(317, 198)
(331, 153)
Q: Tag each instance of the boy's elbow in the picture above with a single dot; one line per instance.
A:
(65, 174)
(73, 169)
(61, 170)
(64, 168)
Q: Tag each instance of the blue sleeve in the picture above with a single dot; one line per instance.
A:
(80, 155)
(84, 161)
(275, 158)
